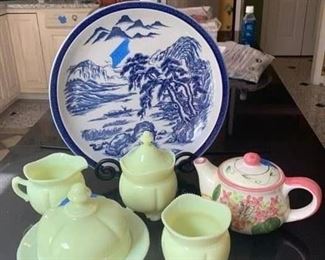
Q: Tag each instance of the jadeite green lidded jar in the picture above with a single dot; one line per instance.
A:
(86, 228)
(148, 182)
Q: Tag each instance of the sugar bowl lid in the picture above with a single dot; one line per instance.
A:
(147, 158)
(85, 228)
(251, 172)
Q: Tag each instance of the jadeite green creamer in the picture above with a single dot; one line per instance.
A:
(85, 228)
(49, 180)
(148, 182)
(195, 229)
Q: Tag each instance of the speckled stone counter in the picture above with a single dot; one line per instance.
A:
(295, 73)
(34, 4)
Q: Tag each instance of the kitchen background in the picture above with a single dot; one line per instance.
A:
(31, 32)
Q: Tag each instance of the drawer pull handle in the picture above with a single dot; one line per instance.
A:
(62, 19)
(74, 17)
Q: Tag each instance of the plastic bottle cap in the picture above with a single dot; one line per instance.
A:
(249, 9)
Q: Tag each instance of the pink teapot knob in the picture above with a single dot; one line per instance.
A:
(252, 159)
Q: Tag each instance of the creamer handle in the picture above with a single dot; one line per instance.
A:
(15, 182)
(309, 185)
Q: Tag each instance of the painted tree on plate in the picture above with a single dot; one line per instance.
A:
(178, 82)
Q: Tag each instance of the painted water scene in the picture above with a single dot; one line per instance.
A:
(167, 91)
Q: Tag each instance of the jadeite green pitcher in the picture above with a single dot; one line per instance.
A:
(49, 180)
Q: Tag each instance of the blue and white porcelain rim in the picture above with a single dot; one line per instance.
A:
(118, 7)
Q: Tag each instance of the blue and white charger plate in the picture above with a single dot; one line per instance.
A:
(135, 67)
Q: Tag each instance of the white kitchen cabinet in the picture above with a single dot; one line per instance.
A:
(54, 26)
(9, 85)
(51, 44)
(28, 53)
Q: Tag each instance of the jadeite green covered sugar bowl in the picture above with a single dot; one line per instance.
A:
(86, 228)
(148, 182)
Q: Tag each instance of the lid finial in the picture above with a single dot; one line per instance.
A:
(252, 159)
(79, 193)
(146, 138)
(81, 205)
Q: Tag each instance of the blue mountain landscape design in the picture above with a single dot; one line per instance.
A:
(172, 87)
(182, 82)
(138, 24)
(98, 34)
(104, 34)
(149, 35)
(90, 86)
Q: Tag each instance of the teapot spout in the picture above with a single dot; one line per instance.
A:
(208, 176)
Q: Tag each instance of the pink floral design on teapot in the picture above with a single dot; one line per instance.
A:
(249, 211)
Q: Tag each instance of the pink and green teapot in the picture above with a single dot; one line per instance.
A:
(256, 191)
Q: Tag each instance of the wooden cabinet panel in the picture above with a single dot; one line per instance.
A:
(9, 85)
(52, 40)
(28, 52)
(54, 26)
(3, 77)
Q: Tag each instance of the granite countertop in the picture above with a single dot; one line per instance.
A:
(34, 4)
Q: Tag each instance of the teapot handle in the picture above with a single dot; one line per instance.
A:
(108, 172)
(309, 185)
(185, 165)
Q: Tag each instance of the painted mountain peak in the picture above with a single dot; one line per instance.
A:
(116, 32)
(157, 23)
(149, 35)
(124, 19)
(136, 27)
(98, 34)
(89, 71)
(138, 24)
(185, 48)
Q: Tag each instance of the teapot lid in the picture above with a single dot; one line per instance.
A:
(147, 158)
(251, 172)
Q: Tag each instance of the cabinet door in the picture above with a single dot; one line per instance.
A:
(9, 86)
(52, 40)
(28, 52)
(3, 81)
